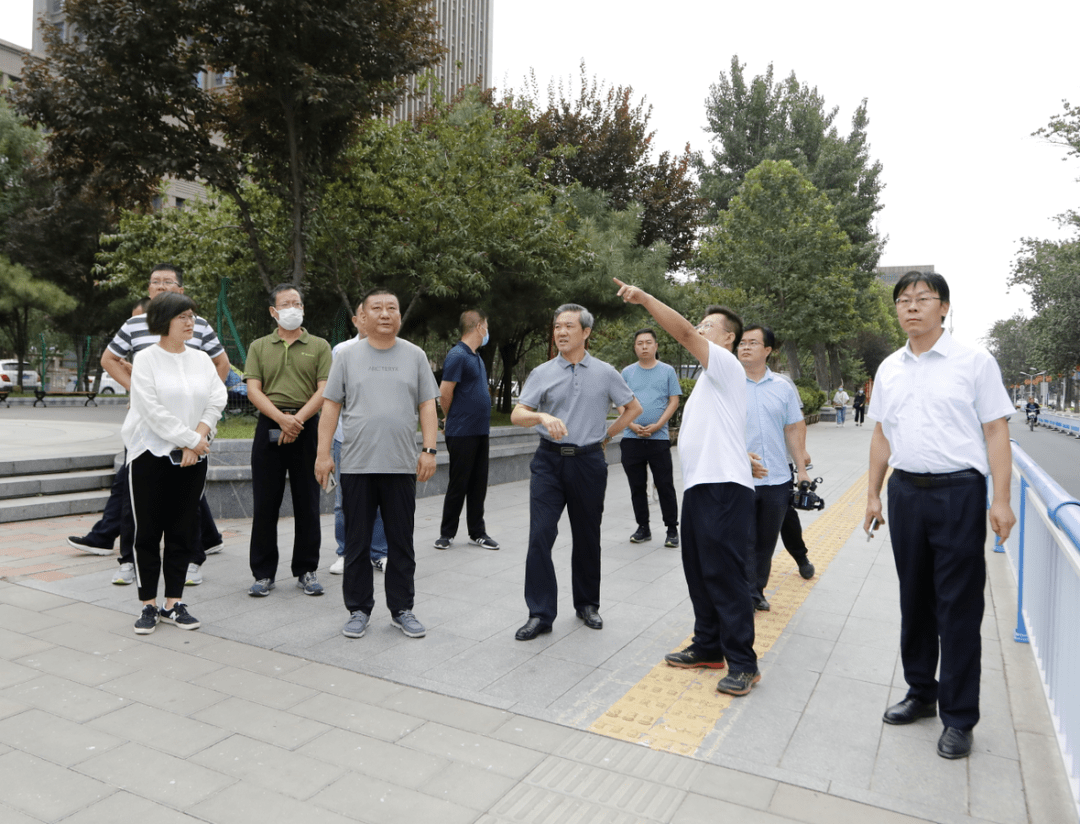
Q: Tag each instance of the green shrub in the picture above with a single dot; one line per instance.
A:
(811, 395)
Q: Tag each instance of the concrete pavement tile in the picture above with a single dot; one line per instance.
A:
(819, 808)
(1049, 796)
(419, 656)
(468, 786)
(94, 615)
(387, 762)
(153, 773)
(469, 748)
(838, 601)
(786, 688)
(877, 608)
(123, 806)
(26, 621)
(997, 789)
(357, 714)
(91, 670)
(629, 794)
(246, 802)
(94, 640)
(757, 736)
(905, 762)
(64, 698)
(175, 696)
(476, 667)
(630, 759)
(155, 728)
(43, 790)
(253, 659)
(536, 735)
(803, 652)
(9, 815)
(291, 773)
(178, 666)
(991, 655)
(12, 673)
(479, 624)
(815, 623)
(700, 809)
(445, 583)
(15, 645)
(383, 803)
(32, 599)
(598, 690)
(275, 727)
(733, 786)
(254, 687)
(535, 805)
(9, 707)
(870, 632)
(183, 641)
(873, 664)
(539, 682)
(454, 712)
(351, 685)
(54, 738)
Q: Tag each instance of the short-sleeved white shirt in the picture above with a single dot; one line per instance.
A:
(712, 440)
(932, 407)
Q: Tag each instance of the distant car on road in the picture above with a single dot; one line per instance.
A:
(9, 375)
(109, 386)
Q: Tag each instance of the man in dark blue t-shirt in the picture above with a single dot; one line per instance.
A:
(466, 402)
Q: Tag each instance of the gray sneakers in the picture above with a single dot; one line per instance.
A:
(407, 623)
(261, 588)
(356, 626)
(194, 575)
(125, 575)
(309, 582)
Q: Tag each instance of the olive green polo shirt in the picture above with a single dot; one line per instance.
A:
(290, 372)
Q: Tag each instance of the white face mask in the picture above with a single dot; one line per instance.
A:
(290, 318)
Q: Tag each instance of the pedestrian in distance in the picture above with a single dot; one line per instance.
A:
(840, 399)
(566, 401)
(858, 404)
(941, 413)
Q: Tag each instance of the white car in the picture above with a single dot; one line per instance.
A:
(109, 385)
(9, 375)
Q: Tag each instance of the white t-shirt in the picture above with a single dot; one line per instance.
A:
(712, 441)
(171, 394)
(932, 407)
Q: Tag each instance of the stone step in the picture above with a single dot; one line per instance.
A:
(32, 486)
(52, 506)
(72, 463)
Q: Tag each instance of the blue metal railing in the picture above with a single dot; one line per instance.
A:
(1045, 557)
(1070, 424)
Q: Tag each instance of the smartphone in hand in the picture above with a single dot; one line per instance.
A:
(874, 524)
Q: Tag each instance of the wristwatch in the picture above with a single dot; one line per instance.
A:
(430, 451)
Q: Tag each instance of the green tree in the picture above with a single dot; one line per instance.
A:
(124, 110)
(20, 146)
(1010, 342)
(599, 137)
(21, 295)
(779, 242)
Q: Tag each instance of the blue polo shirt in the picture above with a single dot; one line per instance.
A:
(470, 413)
(771, 404)
(653, 388)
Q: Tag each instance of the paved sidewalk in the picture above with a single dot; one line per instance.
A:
(268, 713)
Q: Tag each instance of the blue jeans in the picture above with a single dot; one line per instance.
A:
(840, 410)
(378, 534)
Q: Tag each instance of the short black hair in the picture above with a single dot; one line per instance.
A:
(931, 279)
(470, 319)
(284, 287)
(646, 331)
(164, 308)
(379, 290)
(170, 267)
(732, 321)
(141, 305)
(767, 336)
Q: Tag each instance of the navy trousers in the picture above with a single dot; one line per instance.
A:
(770, 505)
(938, 540)
(576, 483)
(637, 453)
(716, 522)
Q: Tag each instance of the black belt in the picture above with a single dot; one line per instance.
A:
(570, 451)
(930, 479)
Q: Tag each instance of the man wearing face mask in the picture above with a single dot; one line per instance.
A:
(286, 372)
(466, 402)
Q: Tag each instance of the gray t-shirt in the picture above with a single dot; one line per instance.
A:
(579, 395)
(380, 391)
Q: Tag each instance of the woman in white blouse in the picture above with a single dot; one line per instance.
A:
(176, 401)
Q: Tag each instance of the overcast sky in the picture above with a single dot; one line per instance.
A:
(954, 92)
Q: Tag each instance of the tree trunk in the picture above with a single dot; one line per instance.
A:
(821, 366)
(792, 353)
(509, 361)
(835, 373)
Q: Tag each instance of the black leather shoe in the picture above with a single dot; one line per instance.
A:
(806, 569)
(533, 627)
(591, 617)
(955, 743)
(761, 604)
(908, 711)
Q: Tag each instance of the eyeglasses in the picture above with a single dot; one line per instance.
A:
(291, 305)
(165, 283)
(187, 316)
(706, 326)
(923, 301)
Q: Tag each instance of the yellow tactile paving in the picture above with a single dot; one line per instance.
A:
(674, 709)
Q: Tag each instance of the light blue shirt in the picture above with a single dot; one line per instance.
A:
(771, 404)
(653, 388)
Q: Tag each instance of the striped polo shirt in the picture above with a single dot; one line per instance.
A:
(135, 336)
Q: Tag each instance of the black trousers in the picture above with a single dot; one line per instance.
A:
(860, 414)
(164, 503)
(468, 482)
(938, 540)
(361, 497)
(770, 506)
(637, 453)
(791, 535)
(716, 523)
(577, 484)
(270, 464)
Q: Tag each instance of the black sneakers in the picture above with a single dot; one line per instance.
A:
(641, 536)
(147, 621)
(693, 658)
(180, 616)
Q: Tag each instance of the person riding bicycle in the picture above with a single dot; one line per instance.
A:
(1032, 409)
